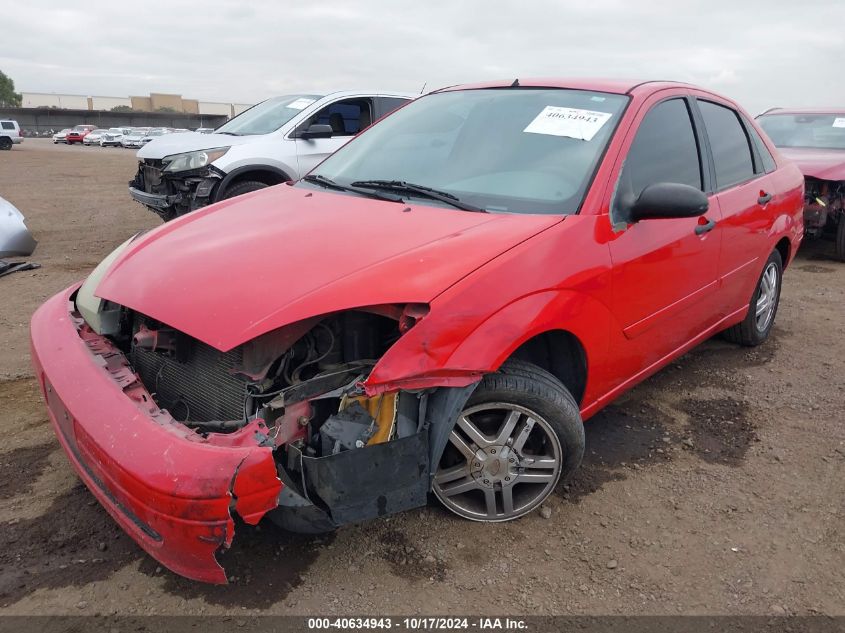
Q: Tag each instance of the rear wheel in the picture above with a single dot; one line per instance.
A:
(757, 325)
(5, 143)
(241, 188)
(519, 434)
(840, 238)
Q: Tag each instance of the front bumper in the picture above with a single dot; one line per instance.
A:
(156, 200)
(169, 488)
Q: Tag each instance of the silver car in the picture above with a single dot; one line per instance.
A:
(133, 139)
(113, 136)
(61, 137)
(93, 137)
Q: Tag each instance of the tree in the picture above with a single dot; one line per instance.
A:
(122, 108)
(166, 109)
(8, 97)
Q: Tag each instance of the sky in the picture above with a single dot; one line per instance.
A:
(762, 53)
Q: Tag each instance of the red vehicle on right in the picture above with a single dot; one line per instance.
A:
(815, 141)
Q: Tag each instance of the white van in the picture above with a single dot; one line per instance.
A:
(277, 140)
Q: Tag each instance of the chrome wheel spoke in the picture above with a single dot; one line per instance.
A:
(539, 463)
(537, 477)
(451, 474)
(490, 502)
(473, 433)
(507, 427)
(507, 500)
(459, 488)
(522, 435)
(461, 445)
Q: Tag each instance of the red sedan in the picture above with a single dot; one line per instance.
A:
(78, 133)
(437, 307)
(815, 140)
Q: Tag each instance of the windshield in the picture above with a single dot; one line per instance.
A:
(822, 131)
(155, 133)
(268, 116)
(517, 150)
(115, 130)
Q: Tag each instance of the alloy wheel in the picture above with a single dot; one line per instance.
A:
(767, 300)
(501, 462)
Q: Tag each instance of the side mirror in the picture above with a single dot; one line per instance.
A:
(668, 200)
(317, 130)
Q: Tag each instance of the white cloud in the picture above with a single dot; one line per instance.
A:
(758, 52)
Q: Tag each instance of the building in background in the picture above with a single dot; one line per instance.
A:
(155, 102)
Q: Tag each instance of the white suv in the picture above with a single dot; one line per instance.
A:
(10, 134)
(277, 140)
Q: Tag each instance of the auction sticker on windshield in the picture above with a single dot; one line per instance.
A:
(839, 122)
(300, 104)
(571, 122)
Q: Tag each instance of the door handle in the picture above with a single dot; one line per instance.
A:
(708, 226)
(764, 198)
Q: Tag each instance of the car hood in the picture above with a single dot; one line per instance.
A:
(824, 164)
(170, 144)
(234, 270)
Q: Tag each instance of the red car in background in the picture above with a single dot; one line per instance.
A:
(437, 307)
(78, 133)
(815, 141)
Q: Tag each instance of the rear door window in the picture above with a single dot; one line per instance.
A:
(728, 143)
(767, 162)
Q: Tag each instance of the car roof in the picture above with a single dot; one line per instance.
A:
(353, 93)
(839, 110)
(614, 86)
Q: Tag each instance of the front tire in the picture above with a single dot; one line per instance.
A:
(757, 324)
(518, 436)
(840, 238)
(241, 188)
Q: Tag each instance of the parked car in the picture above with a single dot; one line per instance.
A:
(113, 136)
(78, 133)
(154, 133)
(436, 307)
(204, 130)
(815, 140)
(93, 137)
(10, 134)
(277, 140)
(134, 138)
(61, 137)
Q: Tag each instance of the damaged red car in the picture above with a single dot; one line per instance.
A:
(815, 141)
(434, 310)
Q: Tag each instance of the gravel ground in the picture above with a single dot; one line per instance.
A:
(715, 487)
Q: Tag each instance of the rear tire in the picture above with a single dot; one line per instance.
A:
(840, 238)
(5, 143)
(519, 434)
(762, 309)
(247, 186)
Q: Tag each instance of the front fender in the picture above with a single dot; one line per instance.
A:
(420, 361)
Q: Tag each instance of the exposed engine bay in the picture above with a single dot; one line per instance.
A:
(824, 205)
(342, 456)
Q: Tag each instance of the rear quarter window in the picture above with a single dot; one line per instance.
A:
(8, 125)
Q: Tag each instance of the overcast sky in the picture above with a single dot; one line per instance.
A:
(762, 53)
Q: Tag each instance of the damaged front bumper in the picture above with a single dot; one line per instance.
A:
(169, 488)
(171, 195)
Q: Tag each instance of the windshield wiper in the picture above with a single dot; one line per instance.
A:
(328, 183)
(229, 133)
(420, 190)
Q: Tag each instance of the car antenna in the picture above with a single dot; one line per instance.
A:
(423, 88)
(515, 83)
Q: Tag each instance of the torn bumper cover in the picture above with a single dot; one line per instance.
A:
(171, 489)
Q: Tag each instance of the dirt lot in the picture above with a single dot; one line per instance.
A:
(718, 486)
